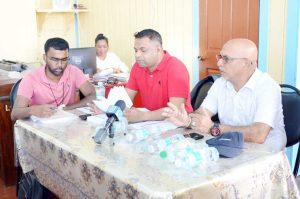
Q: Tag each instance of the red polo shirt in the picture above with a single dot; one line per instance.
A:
(169, 79)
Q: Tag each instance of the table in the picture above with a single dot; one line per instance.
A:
(68, 162)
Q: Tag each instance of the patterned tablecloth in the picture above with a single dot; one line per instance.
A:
(67, 161)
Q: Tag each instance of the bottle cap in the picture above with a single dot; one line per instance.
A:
(163, 154)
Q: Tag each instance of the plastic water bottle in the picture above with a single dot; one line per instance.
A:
(120, 127)
(190, 156)
(100, 91)
(137, 135)
(163, 143)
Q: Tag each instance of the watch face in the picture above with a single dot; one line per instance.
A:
(215, 131)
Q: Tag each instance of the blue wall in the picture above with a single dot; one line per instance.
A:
(290, 75)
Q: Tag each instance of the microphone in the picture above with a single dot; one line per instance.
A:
(114, 113)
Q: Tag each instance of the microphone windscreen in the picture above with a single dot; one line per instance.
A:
(121, 104)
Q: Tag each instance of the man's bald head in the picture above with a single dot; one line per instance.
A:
(240, 48)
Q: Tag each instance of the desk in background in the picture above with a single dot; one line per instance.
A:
(7, 169)
(69, 163)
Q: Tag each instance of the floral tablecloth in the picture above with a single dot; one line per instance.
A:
(68, 162)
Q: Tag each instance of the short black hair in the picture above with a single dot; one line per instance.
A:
(150, 33)
(101, 37)
(56, 43)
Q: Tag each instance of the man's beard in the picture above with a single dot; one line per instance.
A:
(142, 64)
(57, 72)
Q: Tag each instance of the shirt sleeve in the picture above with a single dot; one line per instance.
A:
(178, 80)
(131, 84)
(26, 87)
(211, 100)
(268, 102)
(80, 77)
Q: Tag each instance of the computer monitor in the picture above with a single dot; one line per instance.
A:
(83, 58)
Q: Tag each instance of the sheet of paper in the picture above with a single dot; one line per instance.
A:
(86, 110)
(59, 117)
(103, 104)
(119, 93)
(115, 94)
(157, 126)
(97, 120)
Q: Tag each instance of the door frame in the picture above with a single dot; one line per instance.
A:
(262, 35)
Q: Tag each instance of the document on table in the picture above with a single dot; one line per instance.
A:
(115, 94)
(154, 125)
(58, 117)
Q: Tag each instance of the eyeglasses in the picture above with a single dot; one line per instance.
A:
(226, 58)
(57, 60)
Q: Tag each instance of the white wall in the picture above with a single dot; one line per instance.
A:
(18, 34)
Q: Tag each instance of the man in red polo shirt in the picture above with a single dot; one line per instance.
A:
(158, 77)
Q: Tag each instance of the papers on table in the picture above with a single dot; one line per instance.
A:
(122, 77)
(86, 110)
(59, 117)
(115, 94)
(108, 73)
(154, 125)
(97, 120)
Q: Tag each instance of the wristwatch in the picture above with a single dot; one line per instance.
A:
(215, 129)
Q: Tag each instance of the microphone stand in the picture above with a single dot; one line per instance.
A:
(111, 135)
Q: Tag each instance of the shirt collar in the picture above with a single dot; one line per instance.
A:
(253, 80)
(162, 63)
(250, 83)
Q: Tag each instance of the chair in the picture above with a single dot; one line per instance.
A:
(13, 93)
(291, 113)
(12, 99)
(199, 92)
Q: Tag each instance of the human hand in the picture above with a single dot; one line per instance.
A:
(45, 110)
(201, 121)
(177, 116)
(134, 115)
(116, 70)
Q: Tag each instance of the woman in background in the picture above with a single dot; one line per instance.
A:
(107, 60)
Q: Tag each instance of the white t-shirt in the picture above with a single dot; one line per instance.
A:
(258, 101)
(111, 60)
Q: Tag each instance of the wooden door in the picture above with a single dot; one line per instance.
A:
(221, 20)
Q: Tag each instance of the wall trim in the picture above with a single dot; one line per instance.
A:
(264, 12)
(196, 47)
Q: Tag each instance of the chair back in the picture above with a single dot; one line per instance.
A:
(13, 93)
(291, 113)
(199, 92)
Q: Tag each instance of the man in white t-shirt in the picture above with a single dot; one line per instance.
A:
(245, 99)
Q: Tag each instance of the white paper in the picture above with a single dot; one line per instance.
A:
(86, 110)
(119, 93)
(158, 125)
(103, 104)
(59, 117)
(115, 94)
(97, 120)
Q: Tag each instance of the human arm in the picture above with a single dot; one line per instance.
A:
(134, 115)
(131, 93)
(200, 120)
(21, 109)
(88, 91)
